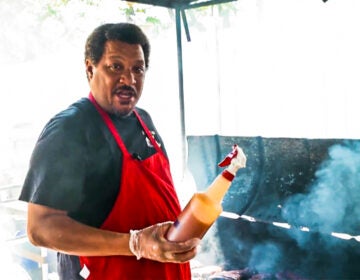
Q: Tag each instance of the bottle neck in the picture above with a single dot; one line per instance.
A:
(217, 190)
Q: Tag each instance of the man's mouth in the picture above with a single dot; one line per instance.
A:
(125, 94)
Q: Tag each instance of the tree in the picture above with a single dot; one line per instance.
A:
(33, 27)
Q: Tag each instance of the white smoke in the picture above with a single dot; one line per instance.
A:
(265, 257)
(332, 202)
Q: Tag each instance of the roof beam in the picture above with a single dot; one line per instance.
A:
(181, 4)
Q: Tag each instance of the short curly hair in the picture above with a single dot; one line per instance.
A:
(125, 32)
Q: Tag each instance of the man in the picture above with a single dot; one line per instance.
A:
(99, 186)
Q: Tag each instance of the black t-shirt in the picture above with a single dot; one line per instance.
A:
(76, 163)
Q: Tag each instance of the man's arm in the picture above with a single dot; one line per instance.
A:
(53, 229)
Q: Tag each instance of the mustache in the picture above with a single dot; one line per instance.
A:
(125, 88)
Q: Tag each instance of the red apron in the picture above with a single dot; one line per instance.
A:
(146, 197)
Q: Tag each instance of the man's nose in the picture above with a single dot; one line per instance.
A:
(127, 77)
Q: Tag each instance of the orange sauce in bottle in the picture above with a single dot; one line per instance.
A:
(201, 211)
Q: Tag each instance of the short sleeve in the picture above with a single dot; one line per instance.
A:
(57, 167)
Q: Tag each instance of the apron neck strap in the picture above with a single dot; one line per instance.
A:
(148, 133)
(114, 131)
(109, 124)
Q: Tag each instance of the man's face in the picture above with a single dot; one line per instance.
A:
(116, 82)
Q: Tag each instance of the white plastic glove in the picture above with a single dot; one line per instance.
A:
(151, 243)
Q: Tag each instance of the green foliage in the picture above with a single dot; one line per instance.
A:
(87, 2)
(153, 20)
(133, 11)
(46, 24)
(50, 10)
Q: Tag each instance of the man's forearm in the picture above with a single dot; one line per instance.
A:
(55, 230)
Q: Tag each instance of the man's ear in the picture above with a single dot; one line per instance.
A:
(89, 69)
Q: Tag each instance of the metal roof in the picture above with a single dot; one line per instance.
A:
(181, 4)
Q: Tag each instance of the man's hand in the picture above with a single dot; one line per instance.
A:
(150, 243)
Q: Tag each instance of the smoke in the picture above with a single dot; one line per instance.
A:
(330, 205)
(265, 257)
(308, 227)
(332, 202)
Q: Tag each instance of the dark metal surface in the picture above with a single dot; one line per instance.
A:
(313, 183)
(164, 3)
(181, 4)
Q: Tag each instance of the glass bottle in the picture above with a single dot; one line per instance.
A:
(205, 207)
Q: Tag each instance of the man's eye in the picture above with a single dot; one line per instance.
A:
(115, 67)
(139, 70)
